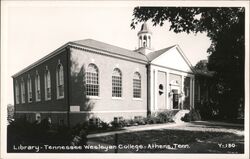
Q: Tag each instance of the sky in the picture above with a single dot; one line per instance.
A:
(35, 30)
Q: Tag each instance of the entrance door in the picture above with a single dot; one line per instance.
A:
(175, 99)
(161, 90)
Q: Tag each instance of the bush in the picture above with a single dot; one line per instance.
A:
(193, 115)
(165, 117)
(151, 120)
(119, 124)
(23, 132)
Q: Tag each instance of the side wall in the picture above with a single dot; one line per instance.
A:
(105, 106)
(54, 108)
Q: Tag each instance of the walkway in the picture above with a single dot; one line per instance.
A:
(138, 128)
(200, 145)
(189, 126)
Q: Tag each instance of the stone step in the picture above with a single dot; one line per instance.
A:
(180, 114)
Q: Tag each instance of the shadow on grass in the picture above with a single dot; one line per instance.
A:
(179, 141)
(217, 125)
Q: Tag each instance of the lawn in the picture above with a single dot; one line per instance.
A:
(175, 141)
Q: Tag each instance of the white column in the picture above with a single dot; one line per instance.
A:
(193, 92)
(152, 89)
(182, 90)
(167, 91)
(156, 90)
(190, 92)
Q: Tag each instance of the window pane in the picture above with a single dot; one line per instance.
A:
(92, 81)
(137, 85)
(17, 93)
(29, 90)
(116, 83)
(37, 84)
(60, 81)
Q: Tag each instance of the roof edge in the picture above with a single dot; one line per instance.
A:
(34, 64)
(124, 56)
(185, 58)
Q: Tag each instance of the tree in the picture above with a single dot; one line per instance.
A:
(225, 28)
(202, 65)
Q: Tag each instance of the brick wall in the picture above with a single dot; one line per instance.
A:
(51, 105)
(104, 102)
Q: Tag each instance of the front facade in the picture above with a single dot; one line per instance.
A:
(118, 83)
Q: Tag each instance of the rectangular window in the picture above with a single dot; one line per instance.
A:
(116, 86)
(137, 86)
(92, 86)
(61, 90)
(47, 85)
(37, 86)
(17, 93)
(22, 92)
(60, 81)
(29, 90)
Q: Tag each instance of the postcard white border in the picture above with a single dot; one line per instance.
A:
(4, 51)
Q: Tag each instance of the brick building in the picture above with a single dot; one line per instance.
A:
(117, 82)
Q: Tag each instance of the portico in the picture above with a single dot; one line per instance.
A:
(171, 85)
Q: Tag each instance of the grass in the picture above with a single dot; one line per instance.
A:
(198, 141)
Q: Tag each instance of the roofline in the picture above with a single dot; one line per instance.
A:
(182, 54)
(124, 56)
(50, 55)
(168, 48)
(58, 51)
(185, 57)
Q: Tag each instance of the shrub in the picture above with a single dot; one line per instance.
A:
(119, 124)
(165, 117)
(151, 120)
(193, 115)
(139, 120)
(21, 131)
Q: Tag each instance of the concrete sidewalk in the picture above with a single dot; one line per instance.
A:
(137, 128)
(190, 126)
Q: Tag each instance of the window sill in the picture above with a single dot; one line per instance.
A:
(117, 98)
(93, 97)
(139, 99)
(60, 97)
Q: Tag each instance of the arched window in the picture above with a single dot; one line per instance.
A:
(47, 84)
(137, 85)
(29, 85)
(37, 87)
(116, 83)
(22, 91)
(17, 93)
(92, 80)
(60, 81)
(145, 41)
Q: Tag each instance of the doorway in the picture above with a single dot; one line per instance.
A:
(175, 99)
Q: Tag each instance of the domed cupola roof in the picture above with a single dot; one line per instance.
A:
(144, 29)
